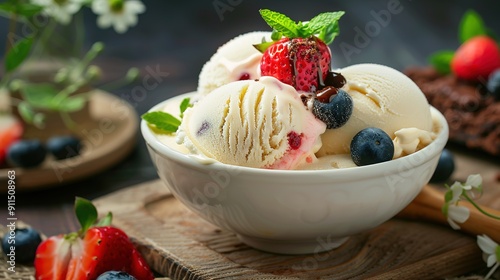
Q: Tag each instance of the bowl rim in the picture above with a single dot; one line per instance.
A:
(374, 170)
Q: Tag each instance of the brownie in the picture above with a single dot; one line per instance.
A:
(473, 115)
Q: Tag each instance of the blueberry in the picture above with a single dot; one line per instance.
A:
(335, 113)
(371, 145)
(115, 275)
(26, 153)
(63, 147)
(444, 168)
(493, 84)
(25, 241)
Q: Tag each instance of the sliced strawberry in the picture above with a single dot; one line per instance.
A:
(139, 268)
(476, 59)
(103, 249)
(52, 258)
(11, 130)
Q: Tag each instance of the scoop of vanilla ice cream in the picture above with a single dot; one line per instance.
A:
(385, 98)
(261, 124)
(235, 59)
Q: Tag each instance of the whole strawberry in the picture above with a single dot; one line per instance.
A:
(299, 55)
(476, 59)
(88, 253)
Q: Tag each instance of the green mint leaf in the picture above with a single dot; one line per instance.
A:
(161, 121)
(72, 104)
(280, 23)
(184, 105)
(86, 213)
(471, 25)
(18, 53)
(324, 21)
(329, 33)
(105, 221)
(441, 61)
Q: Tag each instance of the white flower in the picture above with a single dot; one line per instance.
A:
(456, 189)
(456, 214)
(491, 252)
(60, 10)
(121, 14)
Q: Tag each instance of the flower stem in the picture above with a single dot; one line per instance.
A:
(479, 208)
(492, 270)
(12, 31)
(44, 38)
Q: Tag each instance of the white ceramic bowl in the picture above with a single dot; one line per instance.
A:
(295, 211)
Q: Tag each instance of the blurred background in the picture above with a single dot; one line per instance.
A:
(177, 37)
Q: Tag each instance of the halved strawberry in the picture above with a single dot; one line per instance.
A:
(52, 258)
(301, 58)
(476, 59)
(11, 130)
(103, 249)
(139, 268)
(86, 254)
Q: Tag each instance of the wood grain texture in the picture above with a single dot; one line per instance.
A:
(179, 245)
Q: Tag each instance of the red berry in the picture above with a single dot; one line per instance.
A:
(11, 130)
(476, 59)
(294, 140)
(52, 258)
(297, 62)
(102, 249)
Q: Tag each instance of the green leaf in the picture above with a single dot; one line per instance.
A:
(26, 112)
(162, 121)
(471, 25)
(72, 104)
(262, 47)
(280, 23)
(106, 220)
(184, 105)
(18, 53)
(324, 22)
(329, 33)
(21, 9)
(86, 213)
(441, 61)
(275, 36)
(40, 95)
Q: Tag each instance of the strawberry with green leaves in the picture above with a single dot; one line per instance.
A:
(299, 53)
(84, 255)
(478, 55)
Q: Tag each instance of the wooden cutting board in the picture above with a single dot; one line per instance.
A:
(180, 245)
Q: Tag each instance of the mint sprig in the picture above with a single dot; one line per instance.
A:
(163, 122)
(324, 25)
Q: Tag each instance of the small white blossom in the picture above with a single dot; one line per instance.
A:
(474, 181)
(457, 214)
(60, 10)
(121, 14)
(491, 252)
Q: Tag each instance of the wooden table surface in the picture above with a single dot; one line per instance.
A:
(174, 38)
